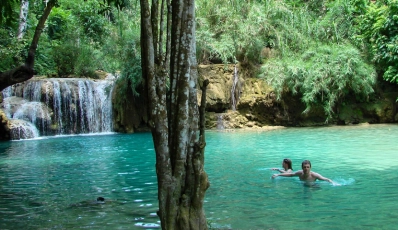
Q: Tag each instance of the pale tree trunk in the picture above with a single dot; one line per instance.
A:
(25, 72)
(175, 119)
(23, 18)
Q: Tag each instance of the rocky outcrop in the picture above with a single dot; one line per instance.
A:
(22, 129)
(218, 95)
(382, 110)
(129, 110)
(5, 134)
(258, 107)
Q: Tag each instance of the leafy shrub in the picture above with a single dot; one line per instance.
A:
(322, 75)
(12, 51)
(57, 23)
(131, 72)
(65, 57)
(44, 60)
(94, 25)
(86, 62)
(377, 26)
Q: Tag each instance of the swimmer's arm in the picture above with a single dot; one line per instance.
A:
(280, 170)
(286, 174)
(320, 177)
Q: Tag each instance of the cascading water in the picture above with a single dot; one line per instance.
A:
(234, 93)
(220, 121)
(61, 106)
(24, 129)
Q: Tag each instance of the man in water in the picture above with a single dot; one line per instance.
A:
(306, 175)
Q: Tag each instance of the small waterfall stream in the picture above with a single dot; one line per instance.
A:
(60, 106)
(220, 121)
(234, 92)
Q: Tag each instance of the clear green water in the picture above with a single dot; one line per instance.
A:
(52, 183)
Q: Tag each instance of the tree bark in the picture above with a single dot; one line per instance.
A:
(25, 72)
(175, 119)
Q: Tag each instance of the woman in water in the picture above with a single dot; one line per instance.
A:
(286, 165)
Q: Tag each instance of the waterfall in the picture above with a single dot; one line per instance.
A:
(220, 121)
(22, 129)
(61, 106)
(234, 94)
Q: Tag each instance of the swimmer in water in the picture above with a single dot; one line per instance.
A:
(286, 165)
(88, 203)
(100, 200)
(306, 175)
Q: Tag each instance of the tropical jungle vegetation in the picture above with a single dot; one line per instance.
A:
(321, 50)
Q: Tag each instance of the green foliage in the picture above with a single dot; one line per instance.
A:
(232, 30)
(11, 50)
(391, 74)
(44, 63)
(131, 67)
(378, 27)
(119, 4)
(359, 6)
(57, 23)
(85, 65)
(312, 6)
(314, 56)
(93, 25)
(84, 36)
(132, 73)
(65, 57)
(8, 11)
(336, 25)
(322, 75)
(75, 59)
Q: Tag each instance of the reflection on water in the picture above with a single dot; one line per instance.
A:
(54, 183)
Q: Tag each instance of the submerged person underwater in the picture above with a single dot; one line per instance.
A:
(96, 203)
(306, 175)
(286, 165)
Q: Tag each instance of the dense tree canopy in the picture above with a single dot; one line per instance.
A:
(101, 35)
(81, 37)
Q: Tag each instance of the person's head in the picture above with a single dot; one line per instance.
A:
(100, 199)
(306, 166)
(287, 164)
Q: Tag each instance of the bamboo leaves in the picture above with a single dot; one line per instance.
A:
(323, 76)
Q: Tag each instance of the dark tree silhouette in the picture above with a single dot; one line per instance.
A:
(25, 71)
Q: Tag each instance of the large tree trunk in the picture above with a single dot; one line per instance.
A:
(175, 119)
(23, 18)
(25, 71)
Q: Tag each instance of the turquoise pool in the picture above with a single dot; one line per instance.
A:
(52, 183)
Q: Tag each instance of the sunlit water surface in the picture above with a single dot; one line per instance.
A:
(52, 183)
